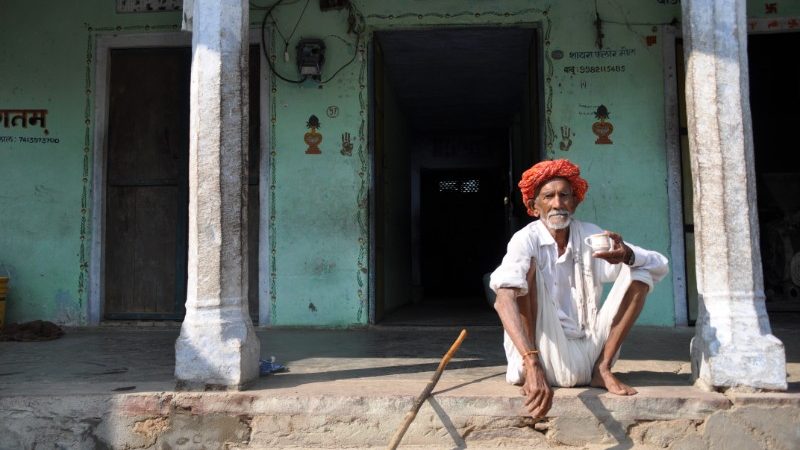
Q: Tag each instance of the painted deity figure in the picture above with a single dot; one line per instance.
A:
(312, 138)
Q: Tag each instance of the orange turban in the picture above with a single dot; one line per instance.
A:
(544, 171)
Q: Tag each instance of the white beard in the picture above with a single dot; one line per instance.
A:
(561, 222)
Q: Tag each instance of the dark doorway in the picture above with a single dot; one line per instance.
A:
(460, 207)
(774, 96)
(146, 203)
(455, 118)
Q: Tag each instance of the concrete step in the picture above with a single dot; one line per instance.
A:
(363, 415)
(114, 388)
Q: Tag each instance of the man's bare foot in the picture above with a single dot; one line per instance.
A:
(606, 380)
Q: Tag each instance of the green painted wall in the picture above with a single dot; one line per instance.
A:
(628, 178)
(319, 201)
(44, 187)
(318, 219)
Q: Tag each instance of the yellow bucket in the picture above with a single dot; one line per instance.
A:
(3, 293)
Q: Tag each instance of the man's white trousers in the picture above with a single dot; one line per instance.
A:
(567, 362)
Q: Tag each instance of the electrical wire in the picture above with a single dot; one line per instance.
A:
(280, 33)
(355, 53)
(598, 28)
(355, 22)
(264, 46)
(286, 40)
(674, 22)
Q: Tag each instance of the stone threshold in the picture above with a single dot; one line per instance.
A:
(361, 414)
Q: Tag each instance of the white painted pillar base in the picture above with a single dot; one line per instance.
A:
(733, 345)
(218, 347)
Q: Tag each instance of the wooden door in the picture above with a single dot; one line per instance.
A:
(147, 187)
(146, 231)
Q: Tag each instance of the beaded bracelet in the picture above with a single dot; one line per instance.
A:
(530, 352)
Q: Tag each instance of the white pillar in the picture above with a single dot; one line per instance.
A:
(733, 344)
(218, 346)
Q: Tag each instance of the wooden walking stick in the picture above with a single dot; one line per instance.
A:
(412, 413)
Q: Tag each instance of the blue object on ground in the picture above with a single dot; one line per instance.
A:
(268, 367)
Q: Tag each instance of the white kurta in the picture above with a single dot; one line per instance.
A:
(568, 346)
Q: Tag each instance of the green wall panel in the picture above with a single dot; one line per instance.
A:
(45, 185)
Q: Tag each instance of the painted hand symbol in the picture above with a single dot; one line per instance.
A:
(566, 142)
(347, 145)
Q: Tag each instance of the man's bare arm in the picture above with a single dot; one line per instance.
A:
(538, 394)
(511, 316)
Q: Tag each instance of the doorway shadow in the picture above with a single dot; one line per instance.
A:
(444, 312)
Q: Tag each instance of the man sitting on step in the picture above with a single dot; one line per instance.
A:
(549, 286)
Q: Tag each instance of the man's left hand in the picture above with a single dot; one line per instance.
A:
(619, 253)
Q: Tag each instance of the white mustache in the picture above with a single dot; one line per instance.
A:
(558, 212)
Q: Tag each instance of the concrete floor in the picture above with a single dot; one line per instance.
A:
(119, 357)
(142, 358)
(379, 369)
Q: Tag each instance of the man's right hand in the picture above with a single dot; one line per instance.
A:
(537, 391)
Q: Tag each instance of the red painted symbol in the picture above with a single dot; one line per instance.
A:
(651, 40)
(602, 128)
(771, 8)
(312, 138)
(772, 24)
